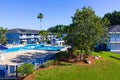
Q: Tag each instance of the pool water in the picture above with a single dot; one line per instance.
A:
(32, 47)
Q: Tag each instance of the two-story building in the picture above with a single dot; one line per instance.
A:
(21, 36)
(114, 38)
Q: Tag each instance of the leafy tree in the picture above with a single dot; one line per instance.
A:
(40, 16)
(113, 17)
(3, 32)
(86, 30)
(58, 30)
(43, 34)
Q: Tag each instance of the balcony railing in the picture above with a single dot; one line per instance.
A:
(34, 36)
(21, 37)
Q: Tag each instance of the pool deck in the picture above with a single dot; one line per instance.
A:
(16, 58)
(11, 46)
(20, 57)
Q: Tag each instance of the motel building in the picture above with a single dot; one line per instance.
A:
(114, 38)
(58, 42)
(25, 36)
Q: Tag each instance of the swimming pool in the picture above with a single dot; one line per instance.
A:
(32, 47)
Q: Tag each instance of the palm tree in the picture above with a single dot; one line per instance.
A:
(40, 16)
(44, 35)
(3, 32)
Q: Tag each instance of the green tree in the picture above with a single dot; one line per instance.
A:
(113, 17)
(3, 32)
(40, 16)
(86, 30)
(58, 30)
(44, 35)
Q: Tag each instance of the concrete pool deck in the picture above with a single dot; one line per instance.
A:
(15, 58)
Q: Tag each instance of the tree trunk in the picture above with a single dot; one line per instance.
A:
(81, 55)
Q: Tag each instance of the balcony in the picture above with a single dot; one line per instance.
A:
(32, 36)
(22, 37)
(114, 40)
(36, 36)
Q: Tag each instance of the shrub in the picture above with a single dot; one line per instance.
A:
(60, 56)
(76, 52)
(48, 63)
(25, 69)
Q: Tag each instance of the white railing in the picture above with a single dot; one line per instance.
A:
(115, 41)
(34, 36)
(23, 37)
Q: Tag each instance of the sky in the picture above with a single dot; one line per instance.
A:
(23, 13)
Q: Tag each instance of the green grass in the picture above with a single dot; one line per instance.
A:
(106, 69)
(109, 56)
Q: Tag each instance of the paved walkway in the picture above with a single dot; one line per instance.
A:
(20, 57)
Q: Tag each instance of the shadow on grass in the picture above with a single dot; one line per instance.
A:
(115, 57)
(100, 52)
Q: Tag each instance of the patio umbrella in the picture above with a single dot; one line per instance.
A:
(3, 47)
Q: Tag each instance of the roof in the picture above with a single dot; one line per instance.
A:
(23, 31)
(114, 28)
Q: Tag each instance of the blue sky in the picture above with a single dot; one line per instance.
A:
(23, 13)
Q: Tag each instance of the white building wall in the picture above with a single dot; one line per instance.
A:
(114, 42)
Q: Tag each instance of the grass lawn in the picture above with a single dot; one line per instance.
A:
(106, 69)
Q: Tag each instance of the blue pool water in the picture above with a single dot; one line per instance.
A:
(32, 47)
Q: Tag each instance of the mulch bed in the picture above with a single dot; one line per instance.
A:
(77, 60)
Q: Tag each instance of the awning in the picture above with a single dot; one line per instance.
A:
(3, 47)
